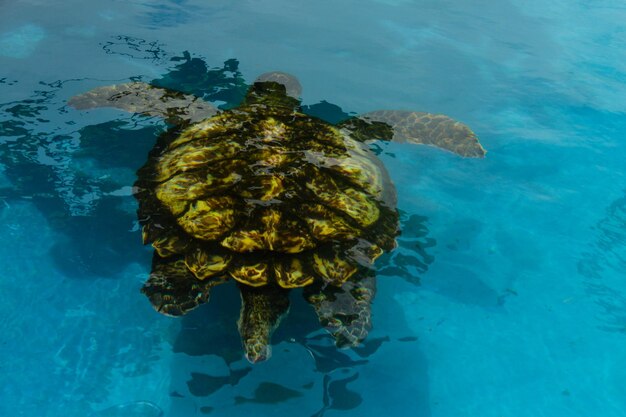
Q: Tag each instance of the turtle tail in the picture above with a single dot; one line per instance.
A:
(261, 311)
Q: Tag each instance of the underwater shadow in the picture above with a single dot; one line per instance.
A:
(80, 178)
(211, 330)
(603, 266)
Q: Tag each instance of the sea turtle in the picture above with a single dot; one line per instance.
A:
(271, 198)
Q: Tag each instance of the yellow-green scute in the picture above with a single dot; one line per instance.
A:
(266, 195)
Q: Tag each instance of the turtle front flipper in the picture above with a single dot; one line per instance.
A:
(173, 289)
(261, 311)
(345, 311)
(143, 98)
(416, 127)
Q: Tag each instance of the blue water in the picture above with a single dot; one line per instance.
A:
(506, 296)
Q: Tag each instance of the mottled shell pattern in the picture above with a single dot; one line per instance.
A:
(264, 194)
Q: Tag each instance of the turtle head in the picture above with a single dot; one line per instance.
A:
(275, 89)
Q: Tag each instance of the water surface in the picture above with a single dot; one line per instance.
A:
(506, 296)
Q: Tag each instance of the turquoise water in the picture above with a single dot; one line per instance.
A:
(506, 296)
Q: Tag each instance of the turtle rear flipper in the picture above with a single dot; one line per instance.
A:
(261, 311)
(173, 289)
(416, 127)
(345, 311)
(143, 98)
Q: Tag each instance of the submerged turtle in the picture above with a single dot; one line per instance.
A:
(271, 198)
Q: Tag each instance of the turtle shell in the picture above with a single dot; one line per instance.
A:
(266, 195)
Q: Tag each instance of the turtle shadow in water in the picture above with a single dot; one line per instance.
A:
(203, 385)
(106, 240)
(73, 177)
(337, 395)
(212, 329)
(91, 229)
(411, 259)
(269, 393)
(99, 245)
(98, 238)
(602, 266)
(340, 368)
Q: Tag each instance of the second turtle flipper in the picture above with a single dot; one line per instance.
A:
(173, 290)
(262, 309)
(345, 311)
(416, 127)
(143, 98)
